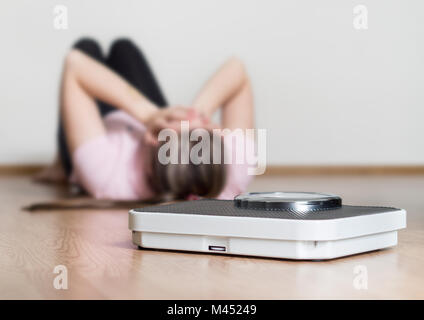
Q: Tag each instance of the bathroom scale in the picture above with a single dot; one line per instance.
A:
(290, 225)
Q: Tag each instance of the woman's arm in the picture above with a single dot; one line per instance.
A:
(84, 81)
(229, 88)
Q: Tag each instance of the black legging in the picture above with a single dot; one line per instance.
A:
(128, 61)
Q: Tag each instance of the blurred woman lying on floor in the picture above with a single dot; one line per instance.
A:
(111, 112)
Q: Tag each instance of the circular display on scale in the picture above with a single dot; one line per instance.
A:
(295, 201)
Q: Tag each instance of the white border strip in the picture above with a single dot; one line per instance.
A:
(267, 228)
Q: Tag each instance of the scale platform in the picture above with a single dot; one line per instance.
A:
(290, 225)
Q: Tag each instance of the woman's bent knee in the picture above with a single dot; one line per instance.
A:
(124, 45)
(89, 46)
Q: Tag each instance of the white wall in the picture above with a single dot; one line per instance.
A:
(327, 93)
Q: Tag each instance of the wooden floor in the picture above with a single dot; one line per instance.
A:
(96, 248)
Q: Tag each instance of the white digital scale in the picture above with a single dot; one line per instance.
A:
(290, 225)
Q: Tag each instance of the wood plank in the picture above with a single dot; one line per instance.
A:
(102, 262)
(344, 170)
(20, 169)
(279, 169)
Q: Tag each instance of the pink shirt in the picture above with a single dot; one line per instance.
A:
(110, 167)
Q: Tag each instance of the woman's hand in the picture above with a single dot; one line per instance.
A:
(165, 118)
(170, 118)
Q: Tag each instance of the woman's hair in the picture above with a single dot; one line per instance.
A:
(178, 180)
